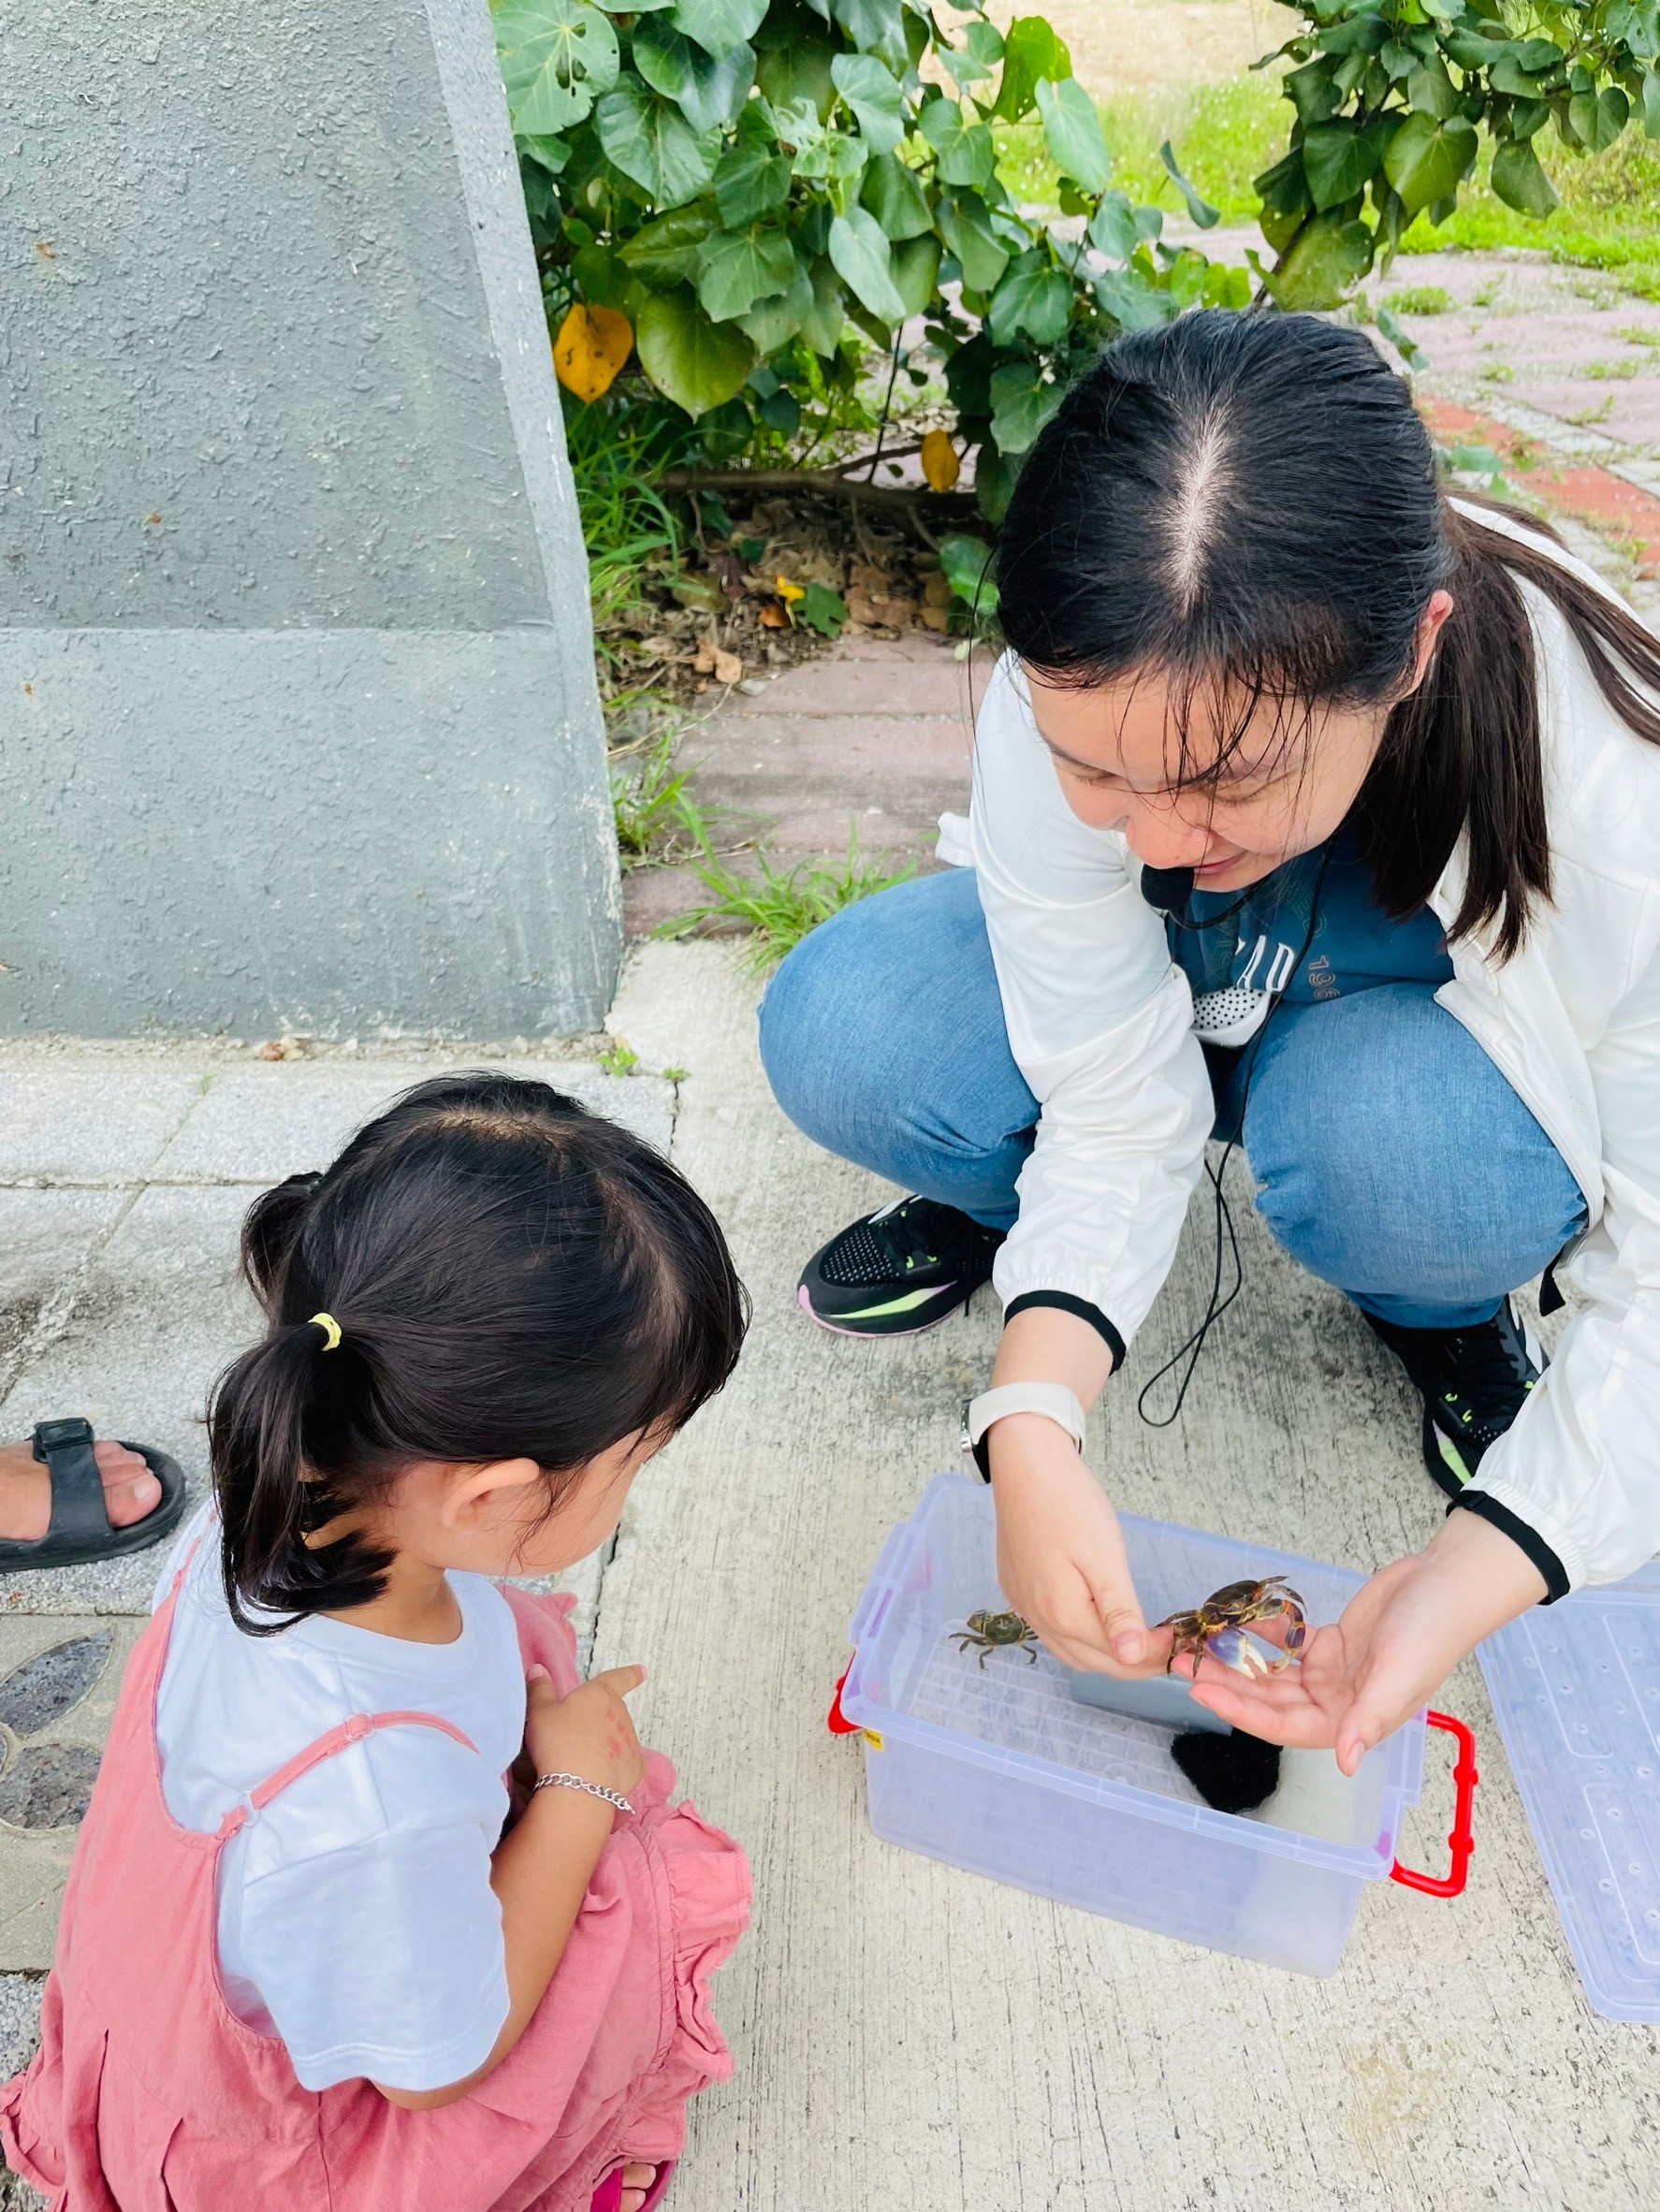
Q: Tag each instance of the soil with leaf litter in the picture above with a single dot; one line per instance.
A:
(788, 577)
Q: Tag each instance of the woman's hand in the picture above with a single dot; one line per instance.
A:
(588, 1733)
(1400, 1637)
(1060, 1554)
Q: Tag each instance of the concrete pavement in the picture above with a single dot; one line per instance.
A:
(903, 2033)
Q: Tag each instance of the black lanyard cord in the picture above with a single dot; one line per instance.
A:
(1218, 1304)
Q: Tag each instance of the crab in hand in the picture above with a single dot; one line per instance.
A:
(1221, 1628)
(990, 1632)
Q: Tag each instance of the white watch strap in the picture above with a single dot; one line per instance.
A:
(1055, 1401)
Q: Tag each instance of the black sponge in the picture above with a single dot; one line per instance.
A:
(1235, 1772)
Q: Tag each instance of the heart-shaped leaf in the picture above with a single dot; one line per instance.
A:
(1031, 50)
(873, 95)
(875, 26)
(717, 25)
(1430, 91)
(965, 563)
(1073, 132)
(652, 142)
(1200, 211)
(1598, 118)
(556, 55)
(697, 363)
(1427, 160)
(665, 250)
(709, 89)
(859, 250)
(1337, 159)
(963, 150)
(751, 182)
(1032, 298)
(894, 197)
(1117, 226)
(965, 225)
(915, 270)
(823, 325)
(734, 268)
(593, 347)
(772, 323)
(1327, 258)
(1021, 404)
(1520, 181)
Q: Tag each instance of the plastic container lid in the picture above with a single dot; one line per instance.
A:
(1576, 1688)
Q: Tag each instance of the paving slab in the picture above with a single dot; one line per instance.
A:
(59, 1679)
(56, 1126)
(260, 1122)
(907, 2033)
(46, 1238)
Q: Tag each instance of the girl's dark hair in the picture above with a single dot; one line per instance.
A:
(511, 1277)
(1248, 504)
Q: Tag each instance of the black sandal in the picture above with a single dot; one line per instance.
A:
(80, 1528)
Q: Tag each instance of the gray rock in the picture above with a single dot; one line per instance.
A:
(45, 1688)
(49, 1786)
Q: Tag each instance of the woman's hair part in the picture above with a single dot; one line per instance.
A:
(511, 1277)
(1248, 506)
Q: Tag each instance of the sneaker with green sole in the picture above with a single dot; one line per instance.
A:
(902, 1269)
(1473, 1382)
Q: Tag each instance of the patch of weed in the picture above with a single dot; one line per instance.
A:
(1421, 300)
(780, 905)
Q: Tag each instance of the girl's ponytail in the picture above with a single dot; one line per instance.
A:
(273, 1500)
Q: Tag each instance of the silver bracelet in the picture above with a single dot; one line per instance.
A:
(575, 1781)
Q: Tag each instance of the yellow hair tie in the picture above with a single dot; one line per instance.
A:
(330, 1329)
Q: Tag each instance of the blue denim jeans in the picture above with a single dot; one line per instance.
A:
(1392, 1158)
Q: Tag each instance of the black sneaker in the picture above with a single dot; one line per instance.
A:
(1473, 1383)
(899, 1270)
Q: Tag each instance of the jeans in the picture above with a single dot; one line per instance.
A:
(1392, 1158)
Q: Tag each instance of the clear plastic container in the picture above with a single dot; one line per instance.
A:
(1576, 1688)
(997, 1769)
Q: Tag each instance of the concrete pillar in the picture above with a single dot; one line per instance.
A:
(298, 720)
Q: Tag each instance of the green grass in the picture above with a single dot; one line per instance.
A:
(1421, 300)
(627, 525)
(1226, 134)
(649, 802)
(779, 906)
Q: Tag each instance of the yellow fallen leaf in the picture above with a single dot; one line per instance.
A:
(941, 464)
(728, 666)
(592, 345)
(789, 592)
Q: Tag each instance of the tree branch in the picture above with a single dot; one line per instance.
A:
(906, 501)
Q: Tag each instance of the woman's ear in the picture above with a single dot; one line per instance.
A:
(1429, 634)
(475, 1496)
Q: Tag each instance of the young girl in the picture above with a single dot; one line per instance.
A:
(377, 1906)
(1316, 808)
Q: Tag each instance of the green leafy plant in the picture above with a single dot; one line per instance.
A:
(765, 189)
(648, 799)
(779, 906)
(621, 1059)
(1391, 98)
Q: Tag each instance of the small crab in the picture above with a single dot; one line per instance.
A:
(1220, 1628)
(990, 1632)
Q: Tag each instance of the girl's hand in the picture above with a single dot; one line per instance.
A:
(1060, 1554)
(1402, 1634)
(590, 1732)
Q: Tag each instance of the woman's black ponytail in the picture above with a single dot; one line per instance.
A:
(510, 1277)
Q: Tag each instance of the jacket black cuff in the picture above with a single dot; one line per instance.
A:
(1501, 1517)
(1065, 1302)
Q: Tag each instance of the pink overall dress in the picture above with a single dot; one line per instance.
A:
(148, 2095)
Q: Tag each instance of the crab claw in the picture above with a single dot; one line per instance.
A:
(1246, 1654)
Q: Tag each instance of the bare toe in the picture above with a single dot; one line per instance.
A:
(636, 2185)
(130, 1489)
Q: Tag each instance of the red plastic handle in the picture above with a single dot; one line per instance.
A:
(838, 1724)
(1463, 1842)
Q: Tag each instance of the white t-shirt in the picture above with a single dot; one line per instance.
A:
(357, 1920)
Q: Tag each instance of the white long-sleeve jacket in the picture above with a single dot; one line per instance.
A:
(1099, 1020)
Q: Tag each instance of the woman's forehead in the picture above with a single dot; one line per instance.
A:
(1149, 729)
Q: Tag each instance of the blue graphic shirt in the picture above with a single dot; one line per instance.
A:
(1236, 965)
